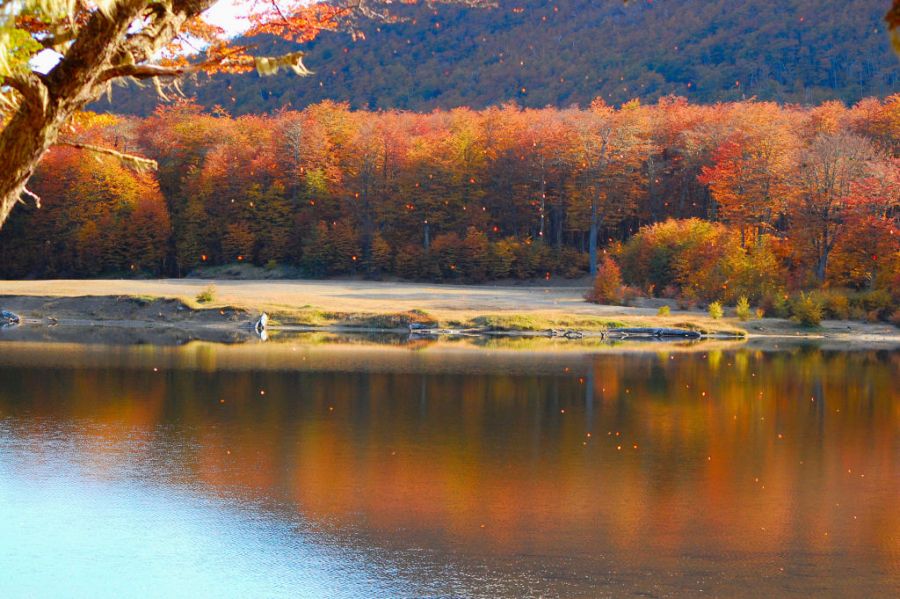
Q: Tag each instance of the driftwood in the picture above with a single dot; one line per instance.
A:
(654, 333)
(567, 333)
(427, 332)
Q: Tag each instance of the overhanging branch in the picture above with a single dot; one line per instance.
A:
(31, 88)
(143, 71)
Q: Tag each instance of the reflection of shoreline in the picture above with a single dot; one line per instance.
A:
(319, 352)
(114, 333)
(354, 352)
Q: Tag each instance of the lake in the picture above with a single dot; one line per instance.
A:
(344, 468)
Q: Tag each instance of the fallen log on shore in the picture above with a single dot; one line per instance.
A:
(567, 333)
(654, 333)
(447, 332)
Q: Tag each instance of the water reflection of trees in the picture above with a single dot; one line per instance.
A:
(742, 451)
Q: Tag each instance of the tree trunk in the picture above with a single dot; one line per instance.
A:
(22, 144)
(824, 252)
(822, 265)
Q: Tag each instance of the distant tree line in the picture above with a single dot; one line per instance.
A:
(808, 195)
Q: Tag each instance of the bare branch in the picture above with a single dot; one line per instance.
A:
(137, 162)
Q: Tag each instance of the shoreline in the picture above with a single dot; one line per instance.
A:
(363, 307)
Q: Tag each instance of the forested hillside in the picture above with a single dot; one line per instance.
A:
(560, 52)
(793, 198)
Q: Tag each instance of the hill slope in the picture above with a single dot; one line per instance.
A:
(560, 52)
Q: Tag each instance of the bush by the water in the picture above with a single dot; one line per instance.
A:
(715, 310)
(835, 304)
(207, 295)
(806, 309)
(842, 304)
(699, 259)
(607, 284)
(742, 309)
(696, 261)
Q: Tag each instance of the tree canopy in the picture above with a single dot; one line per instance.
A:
(767, 197)
(101, 41)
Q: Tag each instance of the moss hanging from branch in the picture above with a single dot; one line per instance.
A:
(136, 162)
(270, 65)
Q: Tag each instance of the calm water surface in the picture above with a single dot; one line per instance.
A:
(298, 470)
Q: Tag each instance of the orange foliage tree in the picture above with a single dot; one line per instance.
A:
(108, 40)
(464, 195)
(749, 175)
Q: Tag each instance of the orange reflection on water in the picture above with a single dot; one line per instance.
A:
(765, 459)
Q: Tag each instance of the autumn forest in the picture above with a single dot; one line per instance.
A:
(700, 202)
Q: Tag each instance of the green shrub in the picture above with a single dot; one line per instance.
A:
(836, 304)
(500, 258)
(702, 259)
(743, 308)
(807, 310)
(715, 310)
(207, 295)
(757, 272)
(857, 313)
(663, 311)
(678, 253)
(878, 301)
(777, 305)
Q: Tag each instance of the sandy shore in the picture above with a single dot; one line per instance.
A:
(330, 303)
(340, 296)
